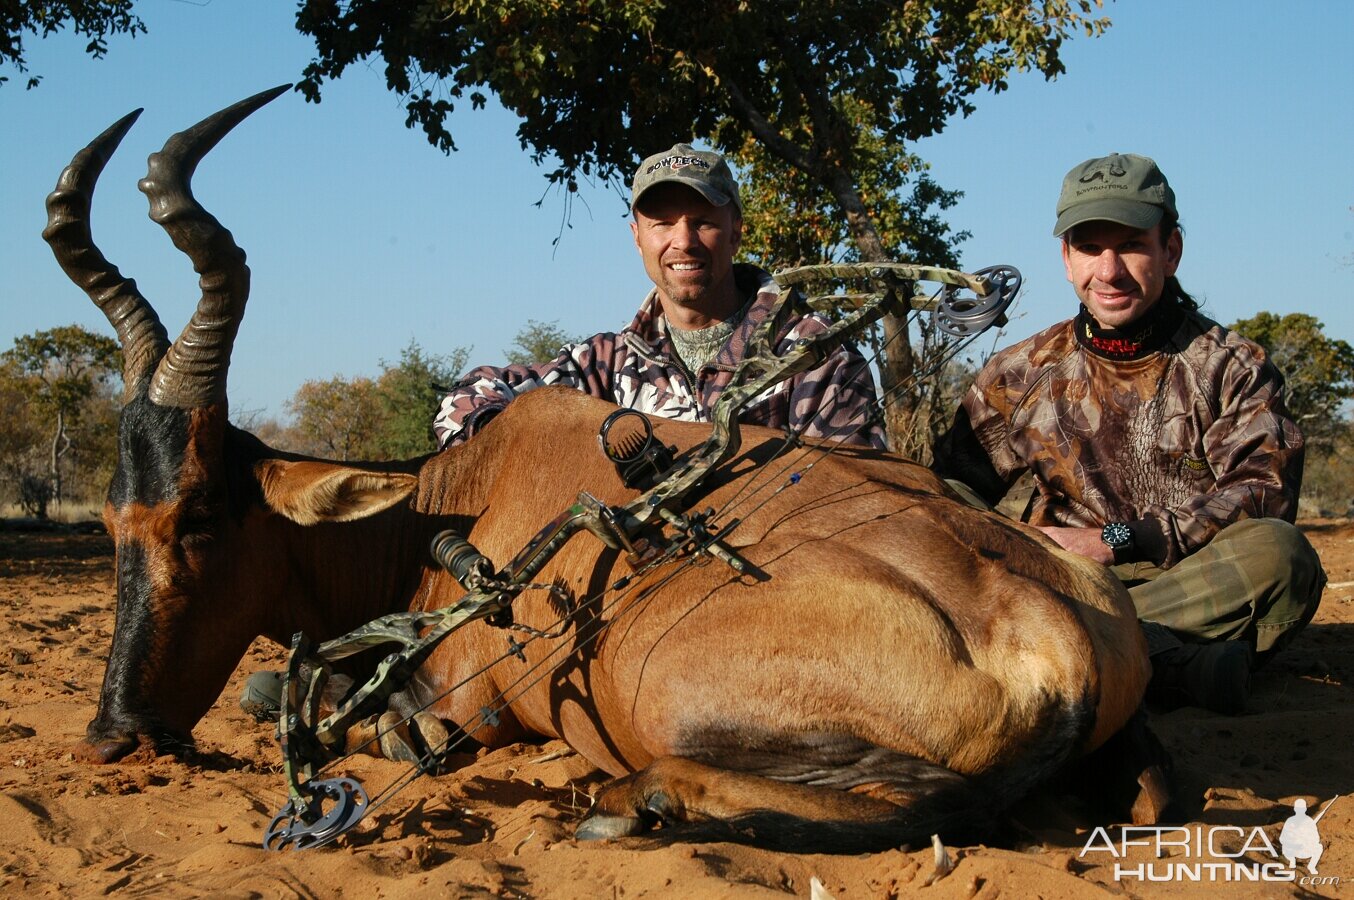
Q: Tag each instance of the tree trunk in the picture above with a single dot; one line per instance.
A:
(60, 445)
(823, 163)
(898, 365)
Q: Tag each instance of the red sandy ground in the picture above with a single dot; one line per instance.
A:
(501, 825)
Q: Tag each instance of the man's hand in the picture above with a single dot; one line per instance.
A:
(1081, 541)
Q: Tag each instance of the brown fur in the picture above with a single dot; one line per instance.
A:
(884, 612)
(895, 662)
(889, 611)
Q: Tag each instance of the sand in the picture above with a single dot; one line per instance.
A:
(501, 825)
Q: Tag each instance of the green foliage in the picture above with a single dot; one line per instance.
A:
(337, 418)
(538, 342)
(95, 19)
(409, 392)
(59, 383)
(598, 85)
(821, 97)
(1318, 371)
(389, 417)
(791, 219)
(64, 364)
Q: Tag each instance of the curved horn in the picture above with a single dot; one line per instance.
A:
(193, 371)
(139, 330)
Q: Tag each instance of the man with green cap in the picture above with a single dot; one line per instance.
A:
(680, 352)
(1158, 443)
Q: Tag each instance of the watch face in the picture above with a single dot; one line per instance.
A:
(1117, 535)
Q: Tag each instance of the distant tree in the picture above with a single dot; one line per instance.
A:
(538, 342)
(815, 84)
(60, 370)
(409, 392)
(1328, 477)
(338, 418)
(389, 417)
(95, 19)
(1318, 371)
(21, 439)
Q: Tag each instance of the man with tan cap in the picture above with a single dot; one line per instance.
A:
(691, 332)
(1158, 443)
(680, 352)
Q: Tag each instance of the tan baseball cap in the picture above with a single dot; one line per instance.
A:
(704, 171)
(1121, 187)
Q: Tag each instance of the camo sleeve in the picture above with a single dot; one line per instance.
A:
(837, 401)
(482, 393)
(960, 455)
(975, 449)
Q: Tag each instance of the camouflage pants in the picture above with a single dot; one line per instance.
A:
(1258, 581)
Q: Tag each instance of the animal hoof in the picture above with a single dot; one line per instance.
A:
(1154, 796)
(432, 731)
(599, 827)
(397, 744)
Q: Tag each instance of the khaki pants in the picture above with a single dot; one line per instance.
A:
(1258, 581)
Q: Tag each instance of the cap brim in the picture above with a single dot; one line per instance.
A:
(1124, 212)
(715, 197)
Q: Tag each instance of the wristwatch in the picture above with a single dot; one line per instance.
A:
(1118, 536)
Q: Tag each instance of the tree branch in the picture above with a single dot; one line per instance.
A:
(776, 143)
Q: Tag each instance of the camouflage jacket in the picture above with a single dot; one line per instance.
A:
(638, 369)
(1179, 442)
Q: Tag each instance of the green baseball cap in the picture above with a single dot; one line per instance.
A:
(1121, 187)
(704, 171)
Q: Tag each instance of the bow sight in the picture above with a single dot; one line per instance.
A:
(651, 529)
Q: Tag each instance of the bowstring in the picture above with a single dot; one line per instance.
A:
(501, 701)
(743, 495)
(751, 488)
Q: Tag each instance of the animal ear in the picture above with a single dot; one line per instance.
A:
(311, 492)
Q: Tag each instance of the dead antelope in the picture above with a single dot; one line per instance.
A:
(903, 664)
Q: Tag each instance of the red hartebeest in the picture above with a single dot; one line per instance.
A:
(902, 662)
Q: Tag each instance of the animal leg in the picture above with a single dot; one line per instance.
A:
(1129, 775)
(747, 807)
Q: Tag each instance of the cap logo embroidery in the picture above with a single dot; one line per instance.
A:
(677, 162)
(1114, 170)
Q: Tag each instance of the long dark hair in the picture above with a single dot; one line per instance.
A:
(1172, 290)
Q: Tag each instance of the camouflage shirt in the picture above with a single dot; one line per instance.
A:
(639, 369)
(1179, 440)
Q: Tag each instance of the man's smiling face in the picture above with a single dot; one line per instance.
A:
(688, 245)
(1119, 272)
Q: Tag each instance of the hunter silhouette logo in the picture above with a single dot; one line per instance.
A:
(1114, 170)
(1300, 839)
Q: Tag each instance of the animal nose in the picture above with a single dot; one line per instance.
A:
(105, 750)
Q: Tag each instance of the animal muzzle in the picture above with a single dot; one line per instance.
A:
(101, 750)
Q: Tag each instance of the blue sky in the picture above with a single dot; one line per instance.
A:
(362, 236)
